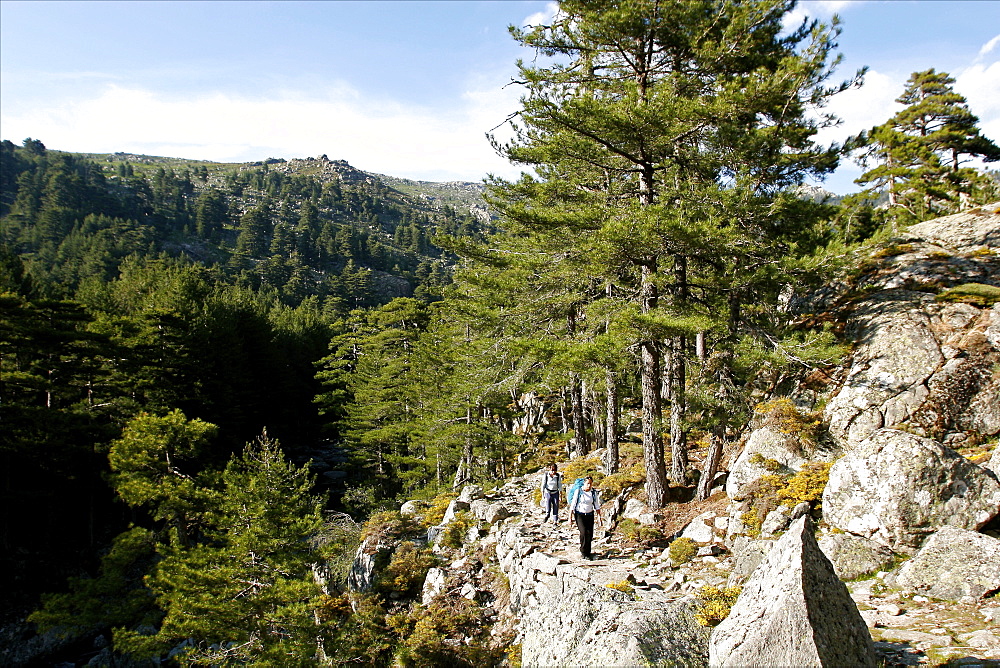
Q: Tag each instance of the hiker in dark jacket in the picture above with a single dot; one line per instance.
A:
(585, 503)
(551, 488)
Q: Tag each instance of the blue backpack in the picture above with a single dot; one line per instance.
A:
(574, 488)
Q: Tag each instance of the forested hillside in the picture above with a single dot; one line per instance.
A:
(200, 362)
(142, 285)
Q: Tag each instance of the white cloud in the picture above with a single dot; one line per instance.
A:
(543, 17)
(815, 9)
(980, 84)
(989, 46)
(378, 135)
(863, 108)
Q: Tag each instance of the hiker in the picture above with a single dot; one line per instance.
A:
(585, 502)
(551, 488)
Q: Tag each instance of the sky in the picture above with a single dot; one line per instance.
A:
(407, 88)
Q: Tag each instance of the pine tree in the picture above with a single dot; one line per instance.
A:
(246, 594)
(919, 152)
(154, 465)
(660, 136)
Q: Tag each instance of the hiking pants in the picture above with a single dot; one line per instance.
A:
(552, 505)
(585, 523)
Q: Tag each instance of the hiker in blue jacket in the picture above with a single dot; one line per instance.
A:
(585, 502)
(551, 488)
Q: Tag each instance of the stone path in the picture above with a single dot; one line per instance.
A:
(908, 630)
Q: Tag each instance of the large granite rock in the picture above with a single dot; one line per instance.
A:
(962, 231)
(747, 556)
(854, 557)
(470, 493)
(701, 529)
(896, 488)
(373, 554)
(433, 585)
(920, 362)
(770, 443)
(994, 463)
(952, 563)
(794, 611)
(596, 626)
(895, 356)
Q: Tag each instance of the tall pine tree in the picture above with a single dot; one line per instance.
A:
(661, 134)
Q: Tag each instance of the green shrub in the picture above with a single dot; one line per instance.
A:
(772, 465)
(389, 524)
(438, 506)
(682, 550)
(623, 586)
(448, 632)
(633, 531)
(806, 485)
(752, 522)
(763, 496)
(454, 533)
(783, 415)
(715, 604)
(406, 571)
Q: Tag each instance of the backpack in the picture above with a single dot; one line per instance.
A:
(574, 488)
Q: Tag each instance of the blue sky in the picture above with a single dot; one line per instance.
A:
(401, 88)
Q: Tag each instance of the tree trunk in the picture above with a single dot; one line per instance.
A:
(599, 427)
(652, 415)
(464, 472)
(712, 459)
(678, 397)
(611, 434)
(581, 444)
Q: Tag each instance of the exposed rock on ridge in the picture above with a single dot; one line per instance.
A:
(918, 360)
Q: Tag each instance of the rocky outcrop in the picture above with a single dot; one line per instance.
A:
(853, 556)
(953, 563)
(373, 554)
(896, 489)
(918, 360)
(598, 626)
(895, 357)
(794, 611)
(747, 556)
(969, 230)
(769, 443)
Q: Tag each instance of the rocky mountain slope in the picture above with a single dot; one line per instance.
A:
(860, 516)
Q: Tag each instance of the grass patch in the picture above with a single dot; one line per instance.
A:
(635, 532)
(977, 294)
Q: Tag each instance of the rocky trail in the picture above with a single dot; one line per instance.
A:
(633, 604)
(863, 504)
